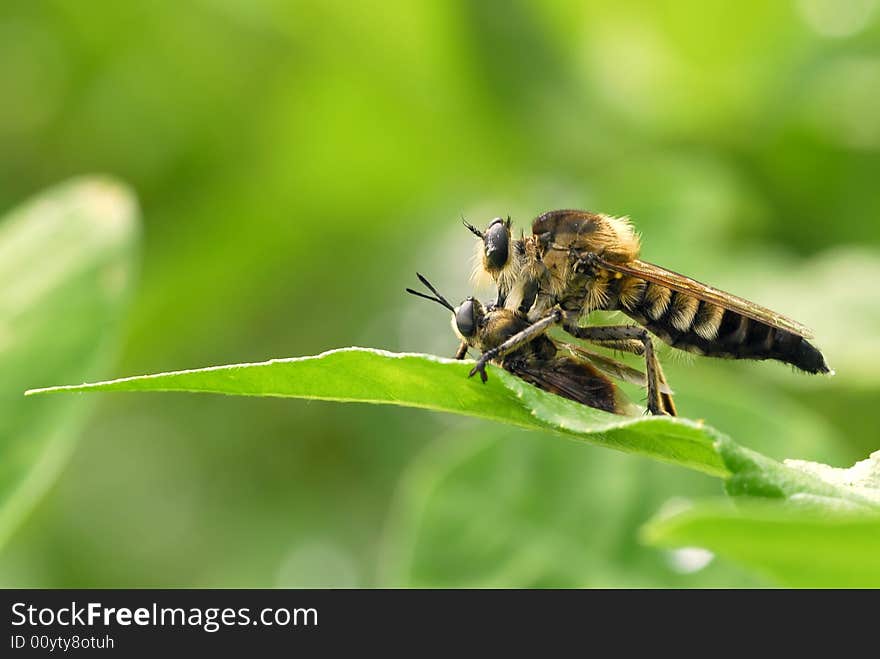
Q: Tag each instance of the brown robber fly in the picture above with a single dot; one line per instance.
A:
(523, 348)
(576, 262)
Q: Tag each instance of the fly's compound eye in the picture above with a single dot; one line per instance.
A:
(466, 318)
(497, 241)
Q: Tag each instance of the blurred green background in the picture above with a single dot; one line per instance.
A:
(296, 162)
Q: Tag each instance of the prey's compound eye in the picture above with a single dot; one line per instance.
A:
(497, 241)
(466, 318)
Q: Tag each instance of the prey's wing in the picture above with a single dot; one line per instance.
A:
(571, 378)
(701, 291)
(613, 368)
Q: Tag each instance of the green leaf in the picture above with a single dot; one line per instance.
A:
(861, 480)
(490, 507)
(794, 547)
(66, 262)
(800, 523)
(413, 380)
(800, 482)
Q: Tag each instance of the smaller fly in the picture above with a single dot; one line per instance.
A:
(521, 348)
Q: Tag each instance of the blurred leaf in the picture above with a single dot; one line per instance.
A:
(822, 530)
(376, 376)
(491, 508)
(807, 483)
(794, 547)
(65, 270)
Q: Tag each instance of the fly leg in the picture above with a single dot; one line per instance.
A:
(635, 340)
(461, 353)
(668, 403)
(516, 341)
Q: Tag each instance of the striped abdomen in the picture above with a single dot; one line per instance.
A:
(703, 328)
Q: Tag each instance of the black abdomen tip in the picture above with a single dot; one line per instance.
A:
(798, 352)
(808, 358)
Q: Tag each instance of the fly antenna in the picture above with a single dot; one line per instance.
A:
(439, 299)
(470, 227)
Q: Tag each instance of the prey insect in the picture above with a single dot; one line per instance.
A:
(576, 262)
(508, 339)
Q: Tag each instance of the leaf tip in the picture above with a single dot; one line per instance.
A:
(34, 392)
(48, 390)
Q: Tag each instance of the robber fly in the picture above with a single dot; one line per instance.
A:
(576, 262)
(560, 368)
